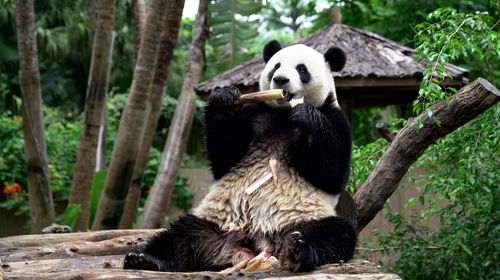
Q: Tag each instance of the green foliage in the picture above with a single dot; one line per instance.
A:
(290, 15)
(395, 19)
(61, 138)
(71, 213)
(364, 121)
(461, 191)
(446, 36)
(182, 195)
(97, 187)
(233, 30)
(64, 52)
(363, 161)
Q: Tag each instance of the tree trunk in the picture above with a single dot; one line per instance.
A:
(93, 13)
(127, 141)
(95, 105)
(178, 133)
(40, 194)
(155, 99)
(138, 16)
(410, 143)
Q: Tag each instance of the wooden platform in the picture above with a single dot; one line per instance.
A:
(100, 254)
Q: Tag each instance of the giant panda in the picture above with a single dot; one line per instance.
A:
(246, 212)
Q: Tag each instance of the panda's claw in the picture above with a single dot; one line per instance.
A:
(135, 260)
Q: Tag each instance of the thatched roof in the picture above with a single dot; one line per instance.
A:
(378, 71)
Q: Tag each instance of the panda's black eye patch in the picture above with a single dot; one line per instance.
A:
(301, 68)
(304, 74)
(271, 73)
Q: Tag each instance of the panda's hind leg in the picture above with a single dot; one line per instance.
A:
(190, 244)
(311, 244)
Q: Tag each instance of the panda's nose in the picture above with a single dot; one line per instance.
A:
(280, 80)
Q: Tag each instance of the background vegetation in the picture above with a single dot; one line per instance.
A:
(461, 187)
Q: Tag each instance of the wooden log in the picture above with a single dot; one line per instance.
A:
(45, 239)
(49, 246)
(411, 142)
(92, 255)
(110, 267)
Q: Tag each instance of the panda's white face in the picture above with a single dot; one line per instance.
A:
(300, 71)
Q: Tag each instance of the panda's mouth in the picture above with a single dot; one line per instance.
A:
(287, 96)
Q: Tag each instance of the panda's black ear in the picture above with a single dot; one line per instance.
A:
(336, 58)
(270, 49)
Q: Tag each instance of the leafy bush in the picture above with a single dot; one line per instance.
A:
(461, 187)
(363, 161)
(62, 137)
(462, 191)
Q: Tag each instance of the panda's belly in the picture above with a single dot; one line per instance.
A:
(270, 207)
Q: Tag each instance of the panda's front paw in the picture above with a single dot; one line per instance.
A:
(224, 96)
(306, 118)
(143, 261)
(297, 254)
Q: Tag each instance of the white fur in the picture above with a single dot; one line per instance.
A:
(269, 208)
(315, 91)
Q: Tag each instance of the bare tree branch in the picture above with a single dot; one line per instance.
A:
(410, 143)
(385, 132)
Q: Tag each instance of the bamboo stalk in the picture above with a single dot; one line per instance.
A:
(260, 96)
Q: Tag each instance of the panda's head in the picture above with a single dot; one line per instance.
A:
(301, 71)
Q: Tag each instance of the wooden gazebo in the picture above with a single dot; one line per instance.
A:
(378, 71)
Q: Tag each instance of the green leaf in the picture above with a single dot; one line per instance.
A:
(420, 124)
(97, 187)
(421, 199)
(71, 213)
(465, 248)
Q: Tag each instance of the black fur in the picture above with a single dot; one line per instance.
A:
(271, 73)
(336, 58)
(304, 74)
(318, 139)
(194, 244)
(270, 49)
(224, 150)
(190, 244)
(314, 141)
(322, 151)
(311, 244)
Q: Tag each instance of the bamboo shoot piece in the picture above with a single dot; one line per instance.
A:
(296, 101)
(260, 96)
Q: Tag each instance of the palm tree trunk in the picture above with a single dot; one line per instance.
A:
(156, 94)
(138, 16)
(95, 105)
(93, 14)
(40, 194)
(127, 142)
(159, 197)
